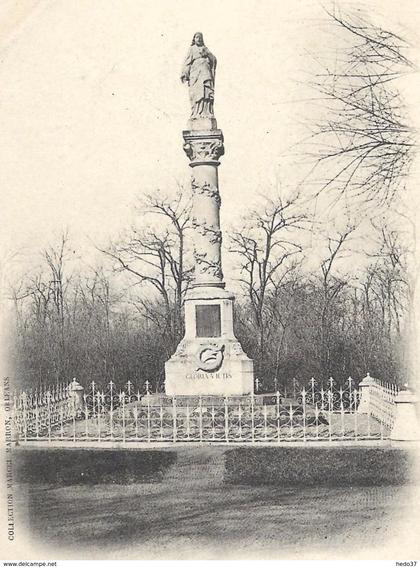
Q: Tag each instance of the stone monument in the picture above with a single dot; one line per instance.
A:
(209, 360)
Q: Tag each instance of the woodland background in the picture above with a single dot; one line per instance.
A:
(322, 269)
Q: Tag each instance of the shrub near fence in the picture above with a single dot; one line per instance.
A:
(65, 467)
(320, 466)
(318, 412)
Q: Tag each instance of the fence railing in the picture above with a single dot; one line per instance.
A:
(317, 412)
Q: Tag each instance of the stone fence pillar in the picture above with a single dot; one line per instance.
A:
(406, 426)
(365, 394)
(76, 392)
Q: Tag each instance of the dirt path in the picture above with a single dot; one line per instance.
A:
(197, 467)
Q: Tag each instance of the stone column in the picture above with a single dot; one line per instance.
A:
(76, 392)
(209, 360)
(365, 387)
(406, 425)
(204, 148)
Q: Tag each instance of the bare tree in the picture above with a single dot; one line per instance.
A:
(331, 285)
(265, 246)
(364, 142)
(45, 294)
(55, 259)
(91, 315)
(156, 259)
(391, 277)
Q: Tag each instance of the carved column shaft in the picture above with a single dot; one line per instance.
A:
(203, 149)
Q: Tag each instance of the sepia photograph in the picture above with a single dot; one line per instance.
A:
(209, 280)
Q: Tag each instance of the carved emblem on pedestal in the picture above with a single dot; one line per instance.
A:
(210, 357)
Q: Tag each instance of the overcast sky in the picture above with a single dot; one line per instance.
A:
(92, 108)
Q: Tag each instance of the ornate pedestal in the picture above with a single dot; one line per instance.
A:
(209, 360)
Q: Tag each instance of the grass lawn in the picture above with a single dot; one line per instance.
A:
(189, 510)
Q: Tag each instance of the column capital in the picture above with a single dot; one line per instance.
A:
(203, 147)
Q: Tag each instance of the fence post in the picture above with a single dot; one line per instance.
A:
(25, 415)
(406, 427)
(252, 418)
(365, 393)
(227, 420)
(174, 428)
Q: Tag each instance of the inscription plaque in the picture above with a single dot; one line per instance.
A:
(208, 321)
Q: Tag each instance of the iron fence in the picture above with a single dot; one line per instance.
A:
(317, 412)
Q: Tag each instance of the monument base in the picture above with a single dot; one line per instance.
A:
(185, 376)
(209, 360)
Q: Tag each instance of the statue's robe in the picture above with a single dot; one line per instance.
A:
(199, 69)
